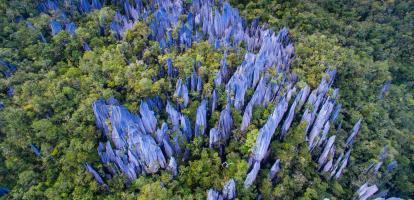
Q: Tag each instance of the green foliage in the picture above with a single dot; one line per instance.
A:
(368, 42)
(198, 174)
(250, 142)
(203, 53)
(298, 178)
(154, 190)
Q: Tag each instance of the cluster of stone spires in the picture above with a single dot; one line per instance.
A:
(365, 191)
(228, 192)
(319, 113)
(221, 27)
(61, 13)
(141, 148)
(133, 145)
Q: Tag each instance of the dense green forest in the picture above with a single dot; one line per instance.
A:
(46, 103)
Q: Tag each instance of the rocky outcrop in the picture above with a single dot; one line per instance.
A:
(214, 195)
(95, 174)
(146, 142)
(251, 176)
(201, 119)
(229, 189)
(275, 169)
(365, 191)
(35, 150)
(354, 132)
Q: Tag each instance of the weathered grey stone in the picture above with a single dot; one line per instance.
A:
(384, 89)
(201, 119)
(225, 123)
(393, 164)
(101, 112)
(213, 194)
(214, 100)
(257, 98)
(95, 174)
(325, 132)
(355, 131)
(365, 191)
(181, 92)
(186, 127)
(168, 149)
(133, 161)
(267, 131)
(328, 166)
(323, 157)
(322, 118)
(214, 137)
(275, 169)
(288, 120)
(251, 176)
(35, 150)
(229, 190)
(304, 93)
(148, 118)
(161, 133)
(149, 153)
(172, 166)
(174, 116)
(336, 112)
(336, 165)
(343, 164)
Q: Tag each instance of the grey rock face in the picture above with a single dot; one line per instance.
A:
(221, 133)
(174, 116)
(323, 157)
(168, 149)
(328, 166)
(225, 124)
(161, 133)
(336, 165)
(186, 127)
(336, 112)
(181, 92)
(201, 119)
(148, 118)
(35, 150)
(229, 190)
(214, 195)
(101, 114)
(355, 131)
(214, 137)
(325, 132)
(393, 164)
(129, 132)
(322, 118)
(304, 93)
(172, 166)
(384, 89)
(214, 101)
(95, 174)
(275, 169)
(256, 99)
(343, 164)
(251, 176)
(150, 153)
(267, 131)
(365, 191)
(288, 120)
